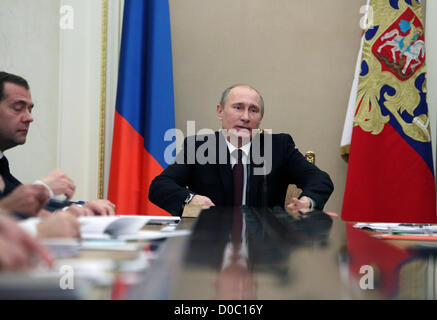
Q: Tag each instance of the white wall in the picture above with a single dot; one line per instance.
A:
(29, 46)
(62, 67)
(79, 94)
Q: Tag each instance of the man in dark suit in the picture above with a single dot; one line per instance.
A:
(15, 118)
(234, 175)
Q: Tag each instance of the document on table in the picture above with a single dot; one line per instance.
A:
(98, 226)
(153, 235)
(407, 228)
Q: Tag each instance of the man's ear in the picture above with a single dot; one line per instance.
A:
(220, 112)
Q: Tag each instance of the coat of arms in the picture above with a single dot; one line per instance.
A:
(392, 85)
(401, 48)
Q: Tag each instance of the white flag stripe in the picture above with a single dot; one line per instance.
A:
(352, 104)
(350, 113)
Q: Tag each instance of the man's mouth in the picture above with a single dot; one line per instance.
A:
(239, 128)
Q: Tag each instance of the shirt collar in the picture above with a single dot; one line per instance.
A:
(245, 148)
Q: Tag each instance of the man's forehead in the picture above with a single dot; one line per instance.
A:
(244, 91)
(15, 92)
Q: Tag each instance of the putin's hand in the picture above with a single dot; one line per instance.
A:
(302, 205)
(202, 201)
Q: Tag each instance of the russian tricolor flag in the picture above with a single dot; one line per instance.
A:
(144, 106)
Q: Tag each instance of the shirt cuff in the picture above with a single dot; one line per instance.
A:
(313, 204)
(47, 187)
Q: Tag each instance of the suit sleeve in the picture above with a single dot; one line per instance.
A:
(314, 182)
(168, 190)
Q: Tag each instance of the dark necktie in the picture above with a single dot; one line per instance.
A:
(237, 229)
(238, 174)
(10, 181)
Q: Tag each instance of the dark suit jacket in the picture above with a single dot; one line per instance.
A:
(215, 180)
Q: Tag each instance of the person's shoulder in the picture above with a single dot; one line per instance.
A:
(281, 137)
(277, 135)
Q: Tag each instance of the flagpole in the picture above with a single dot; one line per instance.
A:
(102, 120)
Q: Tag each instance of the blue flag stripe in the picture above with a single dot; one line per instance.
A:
(145, 95)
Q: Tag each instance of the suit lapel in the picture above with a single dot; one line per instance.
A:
(255, 196)
(10, 181)
(224, 167)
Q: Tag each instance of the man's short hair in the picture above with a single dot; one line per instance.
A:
(225, 95)
(9, 77)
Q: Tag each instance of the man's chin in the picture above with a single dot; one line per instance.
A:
(239, 137)
(20, 141)
(244, 134)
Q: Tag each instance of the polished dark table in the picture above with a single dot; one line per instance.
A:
(261, 253)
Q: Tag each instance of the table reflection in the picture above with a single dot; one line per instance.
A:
(235, 277)
(260, 253)
(239, 243)
(400, 270)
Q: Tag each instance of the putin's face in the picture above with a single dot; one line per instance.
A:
(15, 115)
(241, 115)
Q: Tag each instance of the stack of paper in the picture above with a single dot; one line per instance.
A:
(115, 226)
(399, 227)
(402, 231)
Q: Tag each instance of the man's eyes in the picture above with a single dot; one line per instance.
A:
(251, 109)
(20, 107)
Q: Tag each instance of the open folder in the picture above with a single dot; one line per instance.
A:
(119, 225)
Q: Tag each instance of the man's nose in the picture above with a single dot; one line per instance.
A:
(27, 117)
(245, 115)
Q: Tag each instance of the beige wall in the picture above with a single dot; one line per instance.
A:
(300, 54)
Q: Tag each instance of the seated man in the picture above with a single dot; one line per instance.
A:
(15, 117)
(245, 165)
(28, 201)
